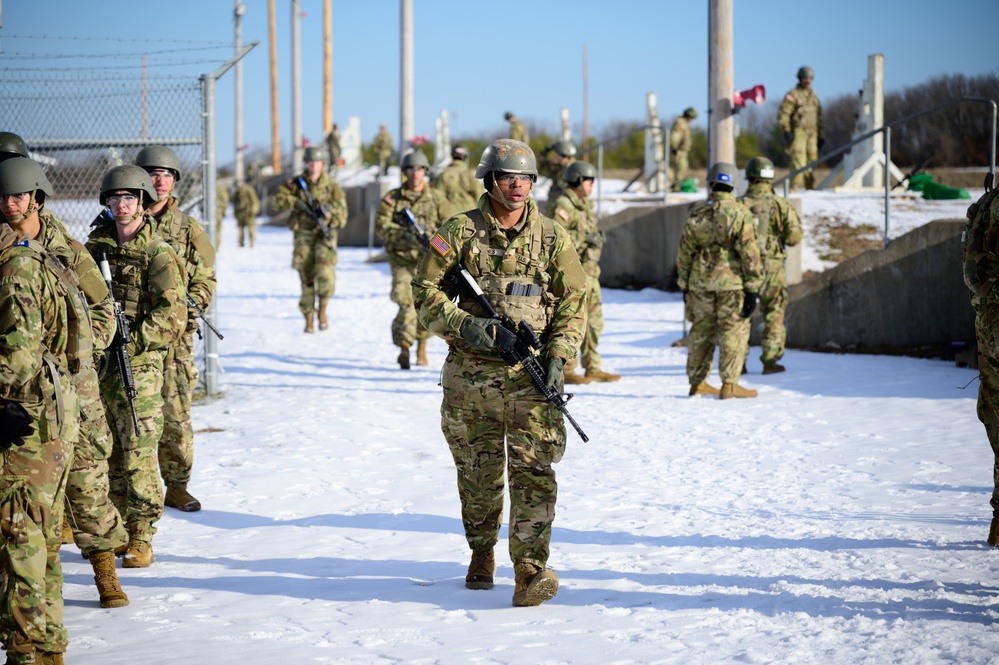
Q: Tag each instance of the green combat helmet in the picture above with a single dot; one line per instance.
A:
(760, 168)
(12, 145)
(507, 156)
(723, 173)
(805, 73)
(415, 158)
(132, 178)
(564, 148)
(579, 170)
(20, 174)
(690, 113)
(315, 153)
(158, 157)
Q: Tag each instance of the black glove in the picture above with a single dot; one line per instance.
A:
(821, 143)
(749, 301)
(595, 239)
(479, 333)
(192, 319)
(788, 137)
(15, 424)
(553, 375)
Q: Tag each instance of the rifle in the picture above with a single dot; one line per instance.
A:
(421, 233)
(103, 217)
(520, 346)
(122, 336)
(318, 212)
(201, 314)
(919, 167)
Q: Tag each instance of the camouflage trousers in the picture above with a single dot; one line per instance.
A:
(180, 378)
(494, 421)
(715, 319)
(97, 524)
(679, 165)
(315, 260)
(594, 326)
(405, 326)
(987, 332)
(804, 148)
(246, 227)
(773, 305)
(32, 500)
(134, 473)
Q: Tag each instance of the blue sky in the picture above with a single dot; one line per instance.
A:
(479, 59)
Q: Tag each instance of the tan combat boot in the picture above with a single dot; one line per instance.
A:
(66, 532)
(403, 356)
(421, 352)
(481, 570)
(50, 658)
(571, 378)
(730, 390)
(703, 388)
(138, 555)
(308, 323)
(178, 497)
(602, 376)
(533, 585)
(107, 580)
(323, 321)
(993, 538)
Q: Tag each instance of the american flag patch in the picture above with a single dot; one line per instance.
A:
(440, 245)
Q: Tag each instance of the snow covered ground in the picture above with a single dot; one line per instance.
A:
(838, 518)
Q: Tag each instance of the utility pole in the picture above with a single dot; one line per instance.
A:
(296, 87)
(721, 83)
(328, 69)
(275, 129)
(586, 102)
(238, 163)
(406, 97)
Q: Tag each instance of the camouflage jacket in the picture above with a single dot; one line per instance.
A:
(428, 207)
(325, 191)
(458, 185)
(147, 281)
(980, 242)
(777, 223)
(579, 219)
(191, 244)
(221, 201)
(383, 145)
(530, 273)
(680, 139)
(518, 131)
(718, 250)
(245, 202)
(801, 110)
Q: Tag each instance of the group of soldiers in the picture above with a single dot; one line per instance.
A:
(96, 379)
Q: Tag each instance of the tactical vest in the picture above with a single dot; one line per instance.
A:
(129, 267)
(977, 243)
(763, 210)
(519, 287)
(175, 227)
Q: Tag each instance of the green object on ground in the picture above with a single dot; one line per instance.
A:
(689, 185)
(934, 191)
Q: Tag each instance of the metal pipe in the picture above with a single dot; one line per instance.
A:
(887, 151)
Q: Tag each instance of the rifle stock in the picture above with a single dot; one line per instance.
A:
(118, 348)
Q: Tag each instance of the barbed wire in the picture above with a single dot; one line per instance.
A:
(120, 40)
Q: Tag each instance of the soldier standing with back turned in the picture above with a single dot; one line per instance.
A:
(800, 118)
(246, 207)
(493, 418)
(680, 142)
(457, 184)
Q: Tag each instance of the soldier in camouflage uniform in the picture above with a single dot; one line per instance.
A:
(518, 130)
(191, 244)
(574, 211)
(719, 271)
(221, 203)
(491, 415)
(457, 184)
(314, 257)
(404, 249)
(800, 118)
(556, 159)
(680, 142)
(333, 149)
(777, 227)
(981, 271)
(384, 147)
(44, 335)
(246, 206)
(148, 283)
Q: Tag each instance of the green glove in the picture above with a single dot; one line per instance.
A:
(553, 375)
(595, 239)
(478, 332)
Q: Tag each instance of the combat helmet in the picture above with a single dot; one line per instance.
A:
(414, 158)
(690, 113)
(132, 178)
(759, 168)
(723, 173)
(158, 157)
(805, 73)
(314, 153)
(507, 156)
(579, 170)
(12, 145)
(564, 148)
(20, 174)
(459, 152)
(508, 115)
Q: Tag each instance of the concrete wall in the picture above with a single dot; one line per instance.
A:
(360, 200)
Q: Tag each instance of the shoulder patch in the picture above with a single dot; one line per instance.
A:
(789, 97)
(388, 199)
(440, 245)
(22, 243)
(563, 214)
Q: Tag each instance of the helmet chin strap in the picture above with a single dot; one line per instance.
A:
(126, 219)
(496, 194)
(32, 209)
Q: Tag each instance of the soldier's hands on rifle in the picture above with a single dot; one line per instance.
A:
(192, 319)
(749, 301)
(554, 380)
(478, 332)
(15, 424)
(596, 239)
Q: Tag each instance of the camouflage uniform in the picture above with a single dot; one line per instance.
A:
(97, 524)
(404, 251)
(221, 203)
(518, 130)
(43, 330)
(680, 142)
(717, 261)
(458, 186)
(800, 116)
(148, 283)
(333, 150)
(313, 256)
(384, 146)
(576, 214)
(246, 206)
(981, 271)
(777, 227)
(487, 402)
(553, 168)
(188, 240)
